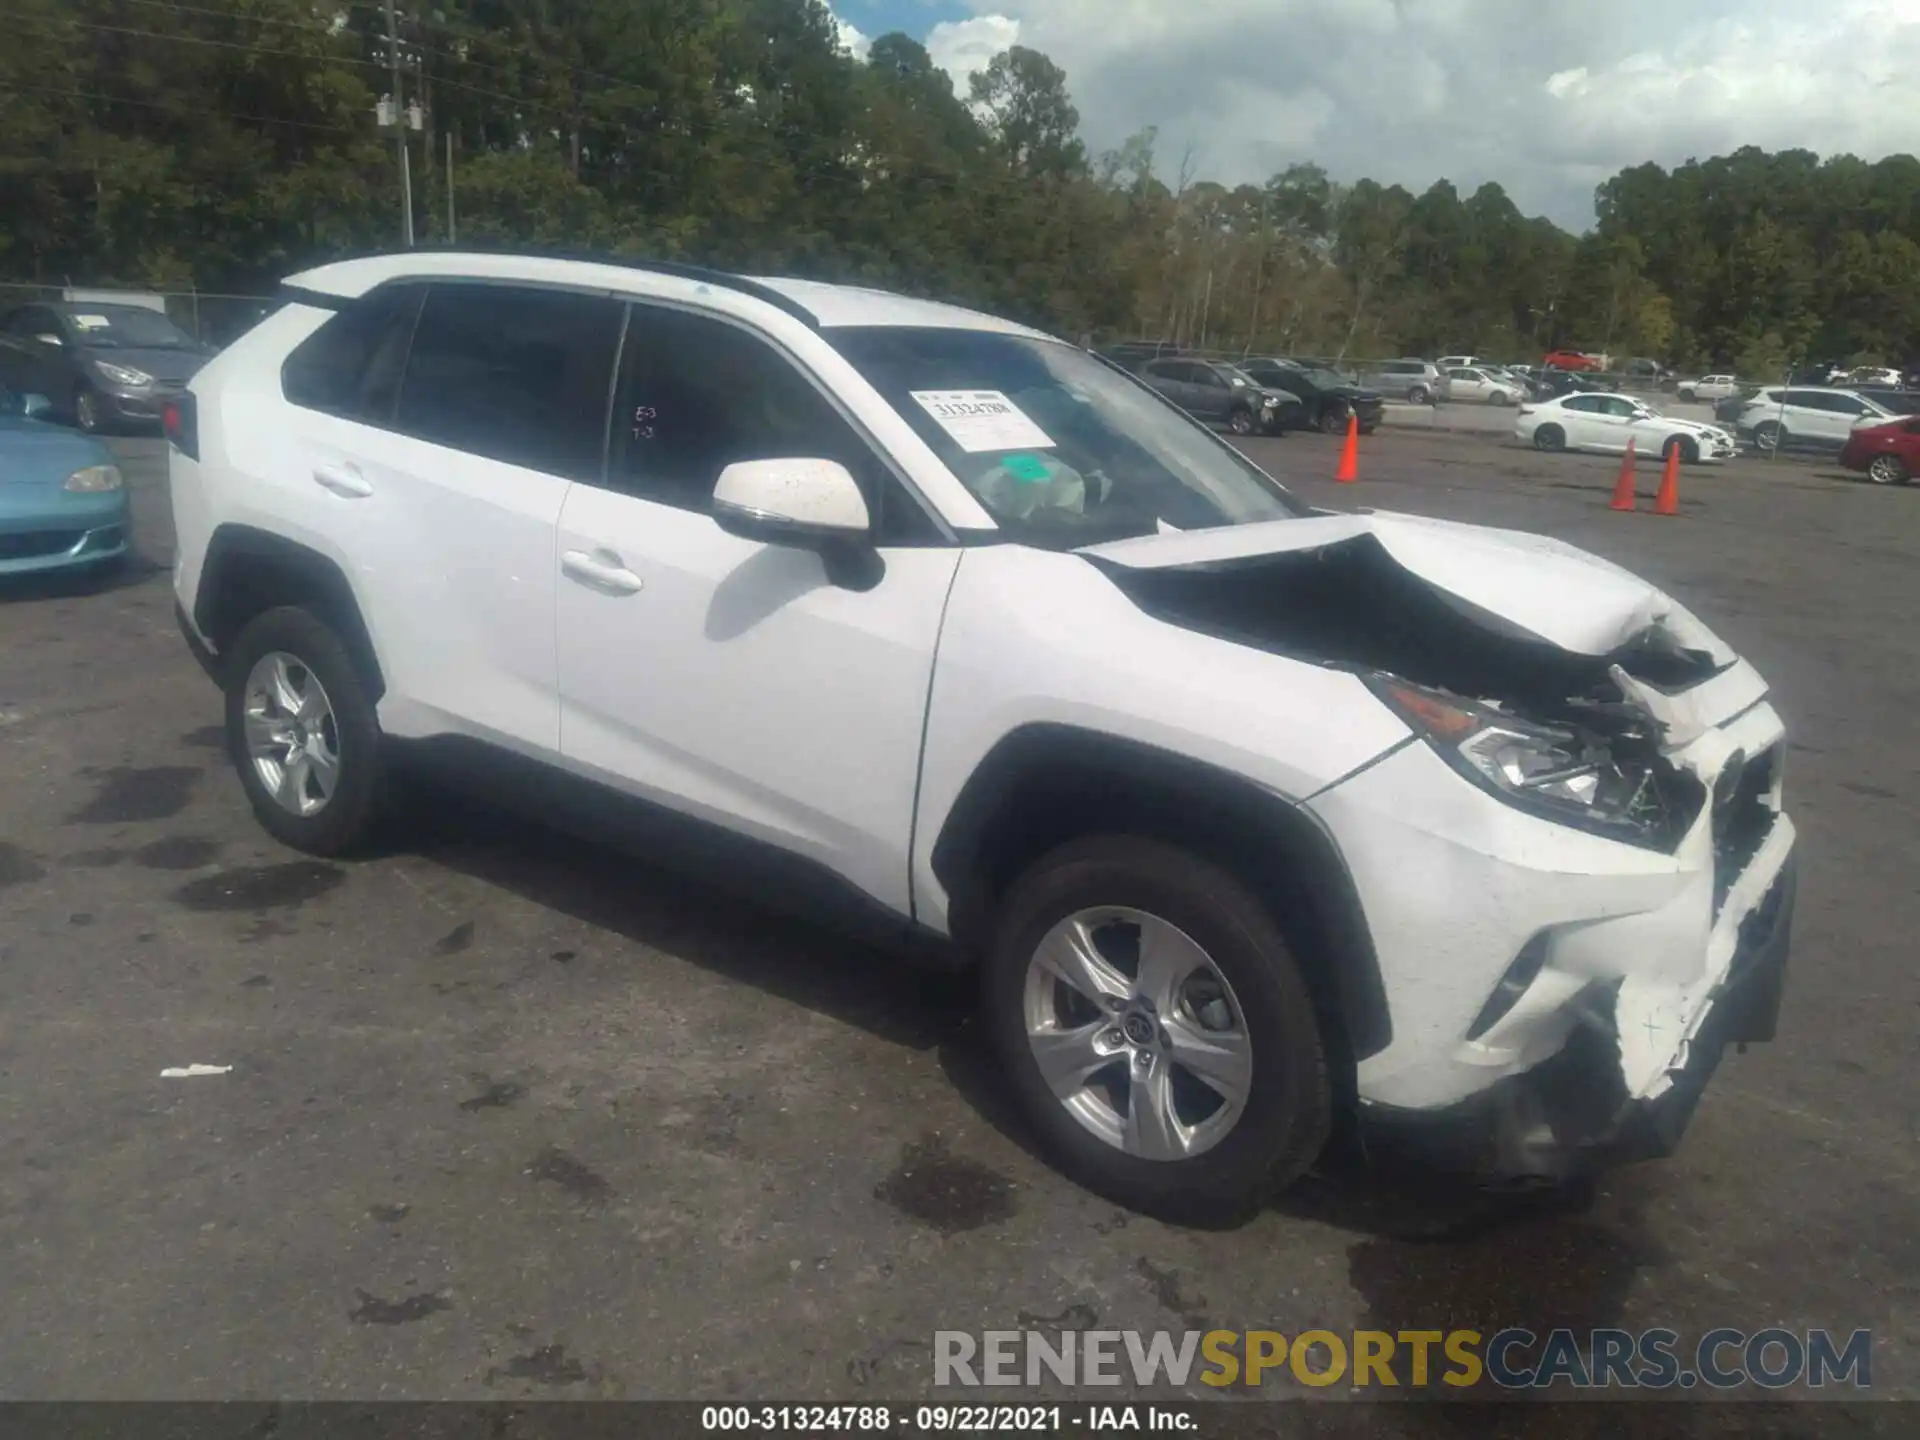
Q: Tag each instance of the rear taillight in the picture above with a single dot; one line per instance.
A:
(181, 420)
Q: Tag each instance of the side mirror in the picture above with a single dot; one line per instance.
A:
(809, 504)
(35, 406)
(50, 339)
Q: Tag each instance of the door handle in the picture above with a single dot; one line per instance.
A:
(606, 574)
(343, 480)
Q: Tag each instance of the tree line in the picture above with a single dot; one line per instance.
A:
(222, 143)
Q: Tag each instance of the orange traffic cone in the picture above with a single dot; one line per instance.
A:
(1349, 470)
(1667, 502)
(1623, 496)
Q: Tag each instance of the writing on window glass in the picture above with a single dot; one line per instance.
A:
(643, 418)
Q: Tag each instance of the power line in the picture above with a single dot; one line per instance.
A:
(177, 110)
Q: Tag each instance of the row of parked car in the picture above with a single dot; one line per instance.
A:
(1264, 395)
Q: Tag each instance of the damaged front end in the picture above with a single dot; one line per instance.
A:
(1557, 1004)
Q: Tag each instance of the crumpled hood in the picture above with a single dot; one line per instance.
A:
(1495, 615)
(1528, 583)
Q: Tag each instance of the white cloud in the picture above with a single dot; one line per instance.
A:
(852, 38)
(1548, 99)
(961, 47)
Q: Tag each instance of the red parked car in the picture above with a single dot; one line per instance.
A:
(1889, 453)
(1571, 360)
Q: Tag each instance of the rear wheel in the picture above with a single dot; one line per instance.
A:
(1156, 1030)
(1549, 437)
(1419, 395)
(1887, 470)
(1499, 397)
(303, 734)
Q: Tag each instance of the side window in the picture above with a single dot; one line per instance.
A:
(1164, 369)
(696, 394)
(1625, 409)
(351, 365)
(516, 374)
(1585, 404)
(1806, 399)
(1209, 377)
(1848, 405)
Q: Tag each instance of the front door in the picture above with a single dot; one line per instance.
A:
(729, 680)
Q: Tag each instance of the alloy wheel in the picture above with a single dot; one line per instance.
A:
(292, 738)
(1886, 470)
(1137, 1033)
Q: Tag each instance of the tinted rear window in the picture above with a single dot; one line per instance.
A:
(513, 373)
(351, 365)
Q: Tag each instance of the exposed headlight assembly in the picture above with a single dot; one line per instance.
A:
(123, 374)
(1570, 775)
(94, 480)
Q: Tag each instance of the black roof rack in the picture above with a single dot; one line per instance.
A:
(721, 278)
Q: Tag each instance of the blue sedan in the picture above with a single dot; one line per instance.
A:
(63, 502)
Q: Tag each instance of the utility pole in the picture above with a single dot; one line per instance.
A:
(450, 187)
(400, 127)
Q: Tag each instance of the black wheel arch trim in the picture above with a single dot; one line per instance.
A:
(247, 570)
(1046, 783)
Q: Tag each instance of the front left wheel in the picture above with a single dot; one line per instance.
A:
(303, 734)
(1156, 1030)
(1240, 422)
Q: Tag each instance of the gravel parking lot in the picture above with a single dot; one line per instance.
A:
(510, 1118)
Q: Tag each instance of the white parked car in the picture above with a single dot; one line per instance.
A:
(1253, 819)
(1470, 383)
(1808, 415)
(1875, 375)
(1593, 421)
(1708, 387)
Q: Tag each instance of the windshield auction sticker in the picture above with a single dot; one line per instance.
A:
(981, 420)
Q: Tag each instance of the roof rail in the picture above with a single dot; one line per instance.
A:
(721, 278)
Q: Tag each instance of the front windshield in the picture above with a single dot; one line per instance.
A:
(126, 326)
(1062, 449)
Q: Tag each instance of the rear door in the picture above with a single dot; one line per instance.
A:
(1213, 396)
(1587, 424)
(1170, 378)
(446, 483)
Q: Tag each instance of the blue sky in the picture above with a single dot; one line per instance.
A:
(1545, 97)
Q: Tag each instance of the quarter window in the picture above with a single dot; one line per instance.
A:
(351, 365)
(514, 373)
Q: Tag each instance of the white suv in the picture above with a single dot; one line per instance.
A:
(1808, 415)
(1260, 823)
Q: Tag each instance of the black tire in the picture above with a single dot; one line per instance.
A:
(89, 414)
(1500, 398)
(1887, 470)
(1550, 437)
(1768, 436)
(1285, 1124)
(1240, 420)
(1686, 393)
(1689, 451)
(1333, 420)
(353, 813)
(1419, 395)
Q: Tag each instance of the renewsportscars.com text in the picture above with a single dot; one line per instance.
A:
(1513, 1359)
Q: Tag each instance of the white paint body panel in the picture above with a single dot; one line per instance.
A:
(740, 686)
(734, 682)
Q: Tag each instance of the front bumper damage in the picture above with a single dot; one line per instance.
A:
(1573, 1114)
(1558, 997)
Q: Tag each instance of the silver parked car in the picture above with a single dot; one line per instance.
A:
(1415, 381)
